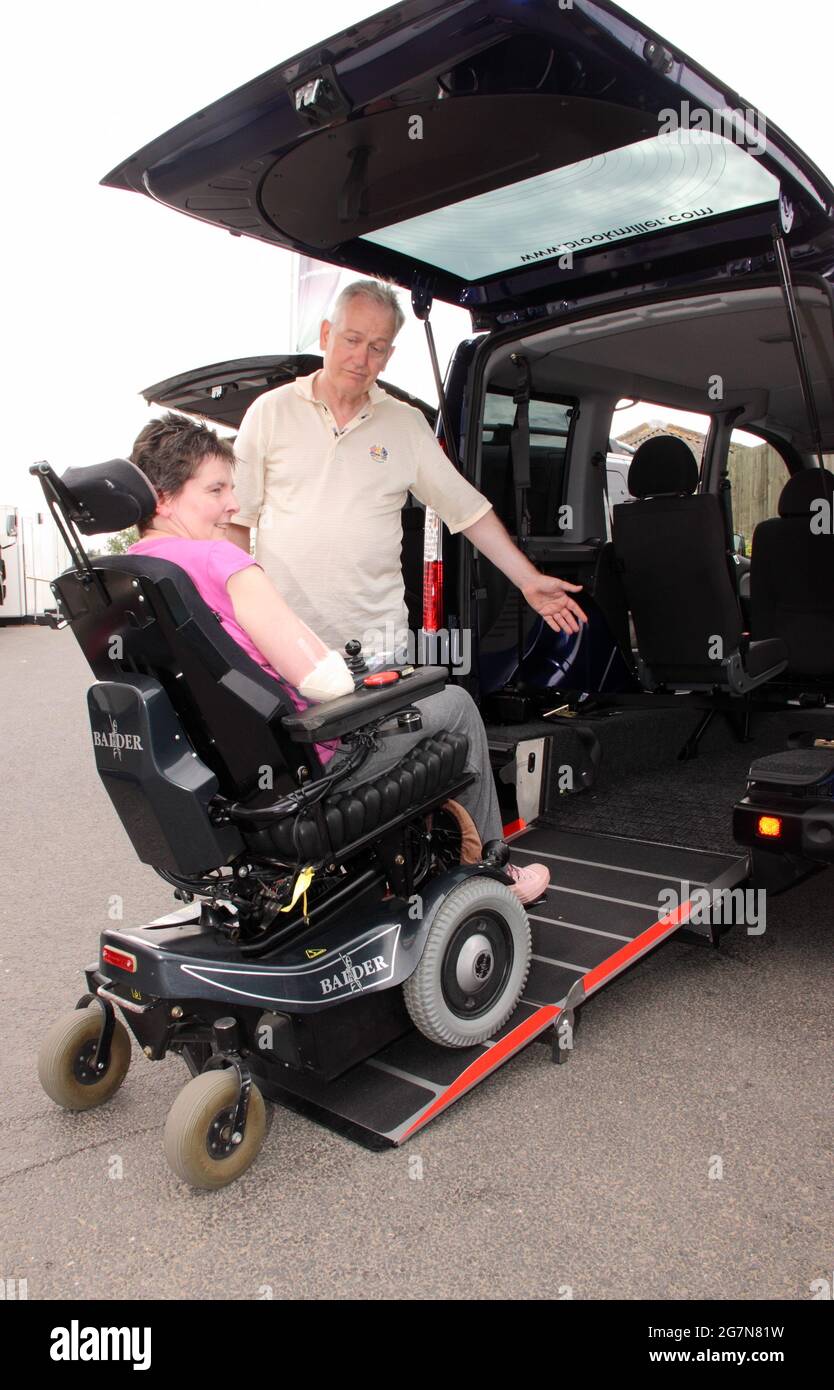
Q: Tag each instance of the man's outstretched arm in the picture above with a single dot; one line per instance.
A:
(550, 597)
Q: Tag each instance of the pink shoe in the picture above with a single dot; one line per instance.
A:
(528, 883)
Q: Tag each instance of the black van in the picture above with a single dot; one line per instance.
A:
(621, 226)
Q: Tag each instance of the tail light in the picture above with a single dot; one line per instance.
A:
(770, 827)
(121, 959)
(432, 574)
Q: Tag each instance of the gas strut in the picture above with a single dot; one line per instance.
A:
(421, 302)
(808, 397)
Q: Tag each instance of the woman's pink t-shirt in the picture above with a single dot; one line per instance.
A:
(210, 565)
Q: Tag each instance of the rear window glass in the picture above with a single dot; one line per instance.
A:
(546, 417)
(668, 181)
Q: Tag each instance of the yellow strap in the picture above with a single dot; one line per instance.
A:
(302, 883)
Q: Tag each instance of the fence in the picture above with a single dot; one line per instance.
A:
(757, 477)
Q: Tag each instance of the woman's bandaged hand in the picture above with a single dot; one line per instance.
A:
(328, 679)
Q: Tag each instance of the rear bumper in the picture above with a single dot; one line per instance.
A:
(805, 827)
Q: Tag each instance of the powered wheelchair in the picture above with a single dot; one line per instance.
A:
(316, 922)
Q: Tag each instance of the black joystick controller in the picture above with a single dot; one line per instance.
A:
(354, 660)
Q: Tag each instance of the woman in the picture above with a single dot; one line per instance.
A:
(190, 467)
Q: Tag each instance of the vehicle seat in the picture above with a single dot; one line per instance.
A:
(792, 575)
(670, 544)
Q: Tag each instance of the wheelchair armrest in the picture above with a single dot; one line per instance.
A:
(337, 717)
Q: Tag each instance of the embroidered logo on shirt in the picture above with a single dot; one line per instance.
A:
(378, 453)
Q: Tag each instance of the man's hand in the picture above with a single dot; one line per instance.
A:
(551, 599)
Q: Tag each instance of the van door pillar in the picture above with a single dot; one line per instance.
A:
(520, 447)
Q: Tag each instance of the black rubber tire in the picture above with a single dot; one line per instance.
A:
(69, 1035)
(424, 994)
(190, 1119)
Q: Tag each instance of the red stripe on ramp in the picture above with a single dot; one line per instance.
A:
(634, 948)
(492, 1058)
(546, 1014)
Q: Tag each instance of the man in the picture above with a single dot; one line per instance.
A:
(324, 467)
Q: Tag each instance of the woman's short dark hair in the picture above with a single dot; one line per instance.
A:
(169, 451)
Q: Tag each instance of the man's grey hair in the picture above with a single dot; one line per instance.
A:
(384, 296)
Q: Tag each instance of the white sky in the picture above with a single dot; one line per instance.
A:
(105, 292)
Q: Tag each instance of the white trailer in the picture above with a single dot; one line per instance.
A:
(32, 553)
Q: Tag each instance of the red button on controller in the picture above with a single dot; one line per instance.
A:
(382, 678)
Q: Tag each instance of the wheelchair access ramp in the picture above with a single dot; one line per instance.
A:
(607, 906)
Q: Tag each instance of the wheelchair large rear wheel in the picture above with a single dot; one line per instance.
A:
(198, 1130)
(474, 965)
(65, 1060)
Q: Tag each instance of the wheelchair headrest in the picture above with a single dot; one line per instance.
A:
(663, 466)
(805, 487)
(108, 496)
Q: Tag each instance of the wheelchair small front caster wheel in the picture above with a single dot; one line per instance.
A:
(198, 1131)
(66, 1060)
(474, 965)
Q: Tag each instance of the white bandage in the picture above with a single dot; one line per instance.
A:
(329, 679)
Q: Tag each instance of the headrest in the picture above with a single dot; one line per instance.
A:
(109, 496)
(663, 465)
(803, 488)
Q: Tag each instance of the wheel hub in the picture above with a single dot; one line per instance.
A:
(221, 1138)
(84, 1068)
(475, 964)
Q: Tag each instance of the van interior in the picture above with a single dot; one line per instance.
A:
(728, 356)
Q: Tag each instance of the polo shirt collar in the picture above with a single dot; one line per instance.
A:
(303, 385)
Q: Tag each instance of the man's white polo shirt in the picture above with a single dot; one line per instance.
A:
(327, 502)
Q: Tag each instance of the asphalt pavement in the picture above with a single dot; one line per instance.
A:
(685, 1151)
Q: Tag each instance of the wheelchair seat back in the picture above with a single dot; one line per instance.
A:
(198, 715)
(159, 787)
(181, 712)
(144, 616)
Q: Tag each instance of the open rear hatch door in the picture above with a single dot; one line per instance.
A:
(223, 391)
(510, 155)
